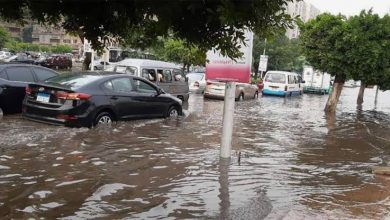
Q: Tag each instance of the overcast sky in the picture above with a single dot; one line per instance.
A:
(351, 7)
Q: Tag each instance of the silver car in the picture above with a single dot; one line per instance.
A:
(216, 90)
(196, 82)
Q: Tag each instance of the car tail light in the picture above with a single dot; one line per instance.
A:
(28, 90)
(285, 88)
(72, 96)
(66, 117)
(196, 84)
(209, 83)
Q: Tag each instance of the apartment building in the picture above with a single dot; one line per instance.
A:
(305, 11)
(52, 36)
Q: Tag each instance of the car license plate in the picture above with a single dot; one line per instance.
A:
(43, 97)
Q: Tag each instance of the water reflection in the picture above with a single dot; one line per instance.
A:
(296, 162)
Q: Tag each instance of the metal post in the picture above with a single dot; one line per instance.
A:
(92, 59)
(228, 116)
(376, 95)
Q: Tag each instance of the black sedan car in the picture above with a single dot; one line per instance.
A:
(13, 81)
(91, 99)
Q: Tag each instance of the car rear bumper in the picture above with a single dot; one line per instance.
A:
(274, 92)
(67, 117)
(213, 96)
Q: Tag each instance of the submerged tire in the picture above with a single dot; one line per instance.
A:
(241, 97)
(103, 118)
(173, 112)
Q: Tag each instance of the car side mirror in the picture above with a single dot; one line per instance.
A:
(303, 81)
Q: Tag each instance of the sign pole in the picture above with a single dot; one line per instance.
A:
(228, 119)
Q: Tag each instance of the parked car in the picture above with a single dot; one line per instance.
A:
(216, 90)
(13, 81)
(282, 83)
(90, 99)
(19, 58)
(57, 62)
(100, 65)
(196, 82)
(165, 75)
(4, 54)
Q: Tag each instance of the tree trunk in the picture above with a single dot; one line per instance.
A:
(360, 98)
(335, 95)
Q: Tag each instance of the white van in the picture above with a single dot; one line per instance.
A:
(316, 81)
(282, 83)
(165, 75)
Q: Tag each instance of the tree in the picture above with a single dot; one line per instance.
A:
(324, 46)
(216, 24)
(180, 52)
(283, 53)
(368, 38)
(4, 37)
(61, 49)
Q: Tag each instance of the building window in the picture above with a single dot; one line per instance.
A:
(35, 39)
(14, 29)
(54, 40)
(75, 41)
(66, 41)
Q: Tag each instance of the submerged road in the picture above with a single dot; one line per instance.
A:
(295, 163)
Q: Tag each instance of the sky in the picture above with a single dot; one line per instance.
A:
(351, 7)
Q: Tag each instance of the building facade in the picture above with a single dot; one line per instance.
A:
(305, 11)
(52, 36)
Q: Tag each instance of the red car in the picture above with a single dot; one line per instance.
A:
(58, 62)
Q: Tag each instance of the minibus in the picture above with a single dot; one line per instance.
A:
(282, 83)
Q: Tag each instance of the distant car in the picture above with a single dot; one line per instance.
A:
(57, 62)
(196, 82)
(4, 55)
(91, 99)
(282, 83)
(20, 58)
(216, 90)
(13, 81)
(99, 65)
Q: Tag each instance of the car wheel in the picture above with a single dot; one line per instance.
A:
(1, 113)
(172, 112)
(103, 118)
(241, 97)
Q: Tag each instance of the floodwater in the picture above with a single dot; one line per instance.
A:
(289, 161)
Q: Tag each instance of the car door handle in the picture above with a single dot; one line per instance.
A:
(114, 98)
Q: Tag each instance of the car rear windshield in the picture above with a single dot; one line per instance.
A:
(195, 76)
(72, 81)
(126, 69)
(276, 78)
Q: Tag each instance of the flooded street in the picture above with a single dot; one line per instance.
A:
(289, 161)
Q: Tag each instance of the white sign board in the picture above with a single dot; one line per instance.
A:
(263, 63)
(225, 69)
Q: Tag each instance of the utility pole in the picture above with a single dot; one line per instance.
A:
(265, 45)
(228, 119)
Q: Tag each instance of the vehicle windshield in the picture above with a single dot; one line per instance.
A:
(72, 80)
(276, 78)
(130, 70)
(195, 76)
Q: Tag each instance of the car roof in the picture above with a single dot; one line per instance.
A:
(5, 65)
(282, 72)
(146, 63)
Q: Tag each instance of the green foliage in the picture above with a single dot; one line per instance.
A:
(357, 48)
(283, 54)
(61, 49)
(323, 44)
(180, 52)
(216, 24)
(368, 37)
(4, 37)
